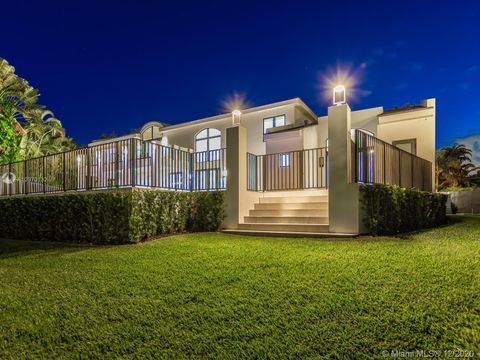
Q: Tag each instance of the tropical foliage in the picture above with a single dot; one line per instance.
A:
(454, 168)
(27, 129)
(10, 138)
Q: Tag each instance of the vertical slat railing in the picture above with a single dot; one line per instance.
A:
(293, 170)
(124, 163)
(377, 162)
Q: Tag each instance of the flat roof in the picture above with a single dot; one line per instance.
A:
(403, 109)
(294, 101)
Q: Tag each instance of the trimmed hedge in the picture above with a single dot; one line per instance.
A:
(109, 217)
(391, 210)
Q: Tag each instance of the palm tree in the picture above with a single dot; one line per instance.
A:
(44, 135)
(454, 166)
(28, 130)
(9, 136)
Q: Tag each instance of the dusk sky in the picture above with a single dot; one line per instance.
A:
(113, 66)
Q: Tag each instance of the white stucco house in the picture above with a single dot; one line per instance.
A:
(284, 168)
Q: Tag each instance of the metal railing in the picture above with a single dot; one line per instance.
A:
(293, 170)
(119, 164)
(377, 162)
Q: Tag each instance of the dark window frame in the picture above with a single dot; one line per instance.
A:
(274, 122)
(413, 143)
(208, 137)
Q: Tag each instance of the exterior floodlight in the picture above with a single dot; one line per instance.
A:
(339, 95)
(236, 115)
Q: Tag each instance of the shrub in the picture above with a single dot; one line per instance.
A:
(392, 210)
(109, 217)
(453, 208)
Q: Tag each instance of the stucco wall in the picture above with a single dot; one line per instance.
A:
(360, 119)
(416, 124)
(185, 135)
(366, 119)
(310, 137)
(284, 141)
(322, 131)
(468, 202)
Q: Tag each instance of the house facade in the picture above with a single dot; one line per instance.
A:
(291, 125)
(283, 167)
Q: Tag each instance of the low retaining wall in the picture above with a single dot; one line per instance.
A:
(467, 202)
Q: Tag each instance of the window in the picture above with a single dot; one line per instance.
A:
(208, 139)
(272, 122)
(284, 160)
(208, 143)
(409, 145)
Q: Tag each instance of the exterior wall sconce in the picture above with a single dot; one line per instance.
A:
(236, 117)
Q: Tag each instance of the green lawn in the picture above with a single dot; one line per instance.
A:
(219, 296)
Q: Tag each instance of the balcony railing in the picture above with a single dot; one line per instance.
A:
(119, 164)
(377, 162)
(293, 170)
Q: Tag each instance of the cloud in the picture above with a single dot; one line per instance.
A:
(364, 93)
(464, 86)
(377, 52)
(367, 63)
(472, 142)
(476, 146)
(473, 69)
(418, 66)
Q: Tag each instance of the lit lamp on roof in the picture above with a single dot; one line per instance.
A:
(236, 117)
(339, 95)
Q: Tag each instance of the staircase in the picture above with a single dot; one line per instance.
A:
(295, 212)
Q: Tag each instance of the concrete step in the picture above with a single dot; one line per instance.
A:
(309, 228)
(290, 193)
(287, 234)
(286, 220)
(292, 206)
(288, 212)
(293, 199)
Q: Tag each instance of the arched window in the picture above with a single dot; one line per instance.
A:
(208, 139)
(151, 130)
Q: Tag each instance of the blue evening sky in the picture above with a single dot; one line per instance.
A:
(112, 66)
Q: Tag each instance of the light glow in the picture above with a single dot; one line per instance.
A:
(346, 75)
(235, 102)
(339, 95)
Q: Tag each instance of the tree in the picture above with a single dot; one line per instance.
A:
(454, 167)
(27, 129)
(44, 135)
(9, 136)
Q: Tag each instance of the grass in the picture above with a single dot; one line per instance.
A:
(219, 296)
